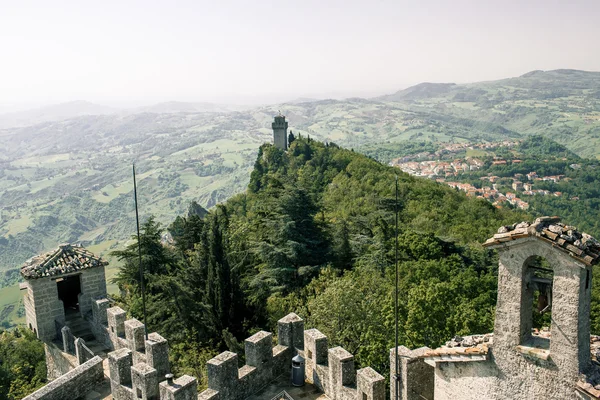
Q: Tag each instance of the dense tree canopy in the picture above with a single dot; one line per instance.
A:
(22, 364)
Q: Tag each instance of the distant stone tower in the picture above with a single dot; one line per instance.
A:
(280, 136)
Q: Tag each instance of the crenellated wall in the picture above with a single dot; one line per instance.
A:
(330, 370)
(138, 365)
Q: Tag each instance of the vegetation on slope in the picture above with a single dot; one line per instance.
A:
(22, 364)
(314, 234)
(53, 173)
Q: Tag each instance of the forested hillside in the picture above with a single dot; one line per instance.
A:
(314, 234)
(70, 180)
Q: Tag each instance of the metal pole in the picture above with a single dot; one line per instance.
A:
(396, 296)
(137, 221)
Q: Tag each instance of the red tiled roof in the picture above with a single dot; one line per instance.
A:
(578, 244)
(65, 259)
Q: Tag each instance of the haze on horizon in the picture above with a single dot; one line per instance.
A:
(235, 51)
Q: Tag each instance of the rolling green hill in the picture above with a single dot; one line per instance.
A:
(70, 180)
(563, 105)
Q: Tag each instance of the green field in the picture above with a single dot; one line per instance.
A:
(476, 153)
(11, 300)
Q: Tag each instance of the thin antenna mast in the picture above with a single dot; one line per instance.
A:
(137, 221)
(396, 297)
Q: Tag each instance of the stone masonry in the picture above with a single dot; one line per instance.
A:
(43, 308)
(74, 384)
(517, 362)
(513, 362)
(280, 135)
(139, 366)
(331, 370)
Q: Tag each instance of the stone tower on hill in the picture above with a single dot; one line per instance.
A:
(280, 132)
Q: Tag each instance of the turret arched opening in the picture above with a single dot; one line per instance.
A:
(537, 302)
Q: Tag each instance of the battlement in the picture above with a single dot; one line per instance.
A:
(330, 370)
(139, 367)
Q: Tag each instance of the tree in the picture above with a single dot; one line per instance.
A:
(22, 364)
(156, 259)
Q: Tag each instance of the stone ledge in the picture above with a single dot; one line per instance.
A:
(534, 352)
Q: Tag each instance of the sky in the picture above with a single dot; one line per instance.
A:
(238, 51)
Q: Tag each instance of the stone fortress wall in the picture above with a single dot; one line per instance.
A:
(139, 368)
(74, 384)
(330, 370)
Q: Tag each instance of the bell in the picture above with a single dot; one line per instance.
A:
(542, 302)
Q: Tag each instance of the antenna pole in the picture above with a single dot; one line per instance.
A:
(137, 221)
(396, 296)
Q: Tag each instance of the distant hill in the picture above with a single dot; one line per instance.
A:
(562, 104)
(421, 91)
(180, 106)
(532, 85)
(54, 112)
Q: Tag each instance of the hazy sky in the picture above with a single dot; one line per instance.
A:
(240, 51)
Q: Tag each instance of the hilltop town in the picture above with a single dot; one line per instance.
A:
(445, 167)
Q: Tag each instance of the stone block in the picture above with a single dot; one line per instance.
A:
(144, 382)
(259, 354)
(315, 346)
(209, 394)
(120, 392)
(116, 322)
(416, 378)
(182, 388)
(282, 356)
(80, 353)
(315, 352)
(134, 334)
(67, 340)
(99, 308)
(370, 385)
(290, 332)
(259, 349)
(341, 370)
(247, 381)
(222, 373)
(119, 365)
(157, 354)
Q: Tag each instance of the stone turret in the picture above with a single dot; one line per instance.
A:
(62, 282)
(546, 261)
(280, 135)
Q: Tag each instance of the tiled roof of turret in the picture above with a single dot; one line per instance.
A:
(65, 259)
(578, 244)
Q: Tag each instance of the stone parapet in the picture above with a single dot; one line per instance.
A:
(182, 388)
(75, 384)
(415, 377)
(332, 371)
